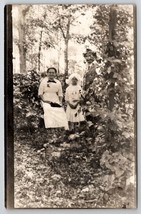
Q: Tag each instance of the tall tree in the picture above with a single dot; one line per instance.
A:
(21, 40)
(66, 17)
(111, 34)
(39, 34)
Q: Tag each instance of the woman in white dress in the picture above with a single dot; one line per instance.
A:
(50, 92)
(73, 97)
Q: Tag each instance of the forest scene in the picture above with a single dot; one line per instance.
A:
(95, 166)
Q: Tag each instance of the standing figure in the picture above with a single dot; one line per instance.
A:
(73, 97)
(50, 92)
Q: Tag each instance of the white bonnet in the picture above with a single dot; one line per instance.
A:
(77, 76)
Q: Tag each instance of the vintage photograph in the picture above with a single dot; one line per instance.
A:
(74, 105)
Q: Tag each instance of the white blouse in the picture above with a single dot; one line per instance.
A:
(51, 91)
(73, 93)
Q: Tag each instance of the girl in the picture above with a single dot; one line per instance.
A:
(73, 98)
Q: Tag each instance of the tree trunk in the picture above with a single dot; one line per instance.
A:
(112, 23)
(66, 37)
(66, 47)
(22, 37)
(22, 50)
(112, 32)
(39, 53)
(66, 57)
(111, 100)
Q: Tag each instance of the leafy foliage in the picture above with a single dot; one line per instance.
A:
(26, 101)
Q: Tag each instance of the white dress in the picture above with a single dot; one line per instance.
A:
(73, 94)
(54, 117)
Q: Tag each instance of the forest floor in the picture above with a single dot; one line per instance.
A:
(66, 172)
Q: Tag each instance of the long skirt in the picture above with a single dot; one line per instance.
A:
(74, 115)
(54, 117)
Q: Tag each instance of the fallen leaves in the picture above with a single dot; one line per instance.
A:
(86, 189)
(73, 170)
(115, 162)
(65, 145)
(56, 177)
(56, 154)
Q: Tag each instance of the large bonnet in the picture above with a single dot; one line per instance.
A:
(77, 76)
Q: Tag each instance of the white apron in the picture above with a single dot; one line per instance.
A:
(54, 117)
(74, 93)
(74, 115)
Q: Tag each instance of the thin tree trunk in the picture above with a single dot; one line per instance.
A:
(112, 32)
(112, 23)
(59, 51)
(22, 37)
(66, 57)
(39, 53)
(22, 50)
(66, 40)
(111, 100)
(22, 59)
(66, 47)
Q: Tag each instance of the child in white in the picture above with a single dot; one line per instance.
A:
(73, 97)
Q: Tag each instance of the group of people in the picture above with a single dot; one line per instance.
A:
(50, 92)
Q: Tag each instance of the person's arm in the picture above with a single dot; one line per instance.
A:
(42, 98)
(60, 93)
(60, 99)
(66, 97)
(41, 91)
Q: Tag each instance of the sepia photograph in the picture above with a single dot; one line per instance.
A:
(74, 105)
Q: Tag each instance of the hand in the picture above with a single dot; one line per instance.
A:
(60, 100)
(73, 106)
(45, 101)
(55, 105)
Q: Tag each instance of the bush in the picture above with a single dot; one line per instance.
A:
(27, 109)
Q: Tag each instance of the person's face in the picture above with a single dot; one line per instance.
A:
(74, 81)
(51, 74)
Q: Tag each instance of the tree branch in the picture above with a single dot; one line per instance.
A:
(68, 28)
(26, 9)
(62, 30)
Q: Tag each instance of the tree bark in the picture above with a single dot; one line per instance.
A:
(22, 38)
(112, 32)
(111, 100)
(66, 57)
(39, 53)
(112, 23)
(21, 45)
(67, 37)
